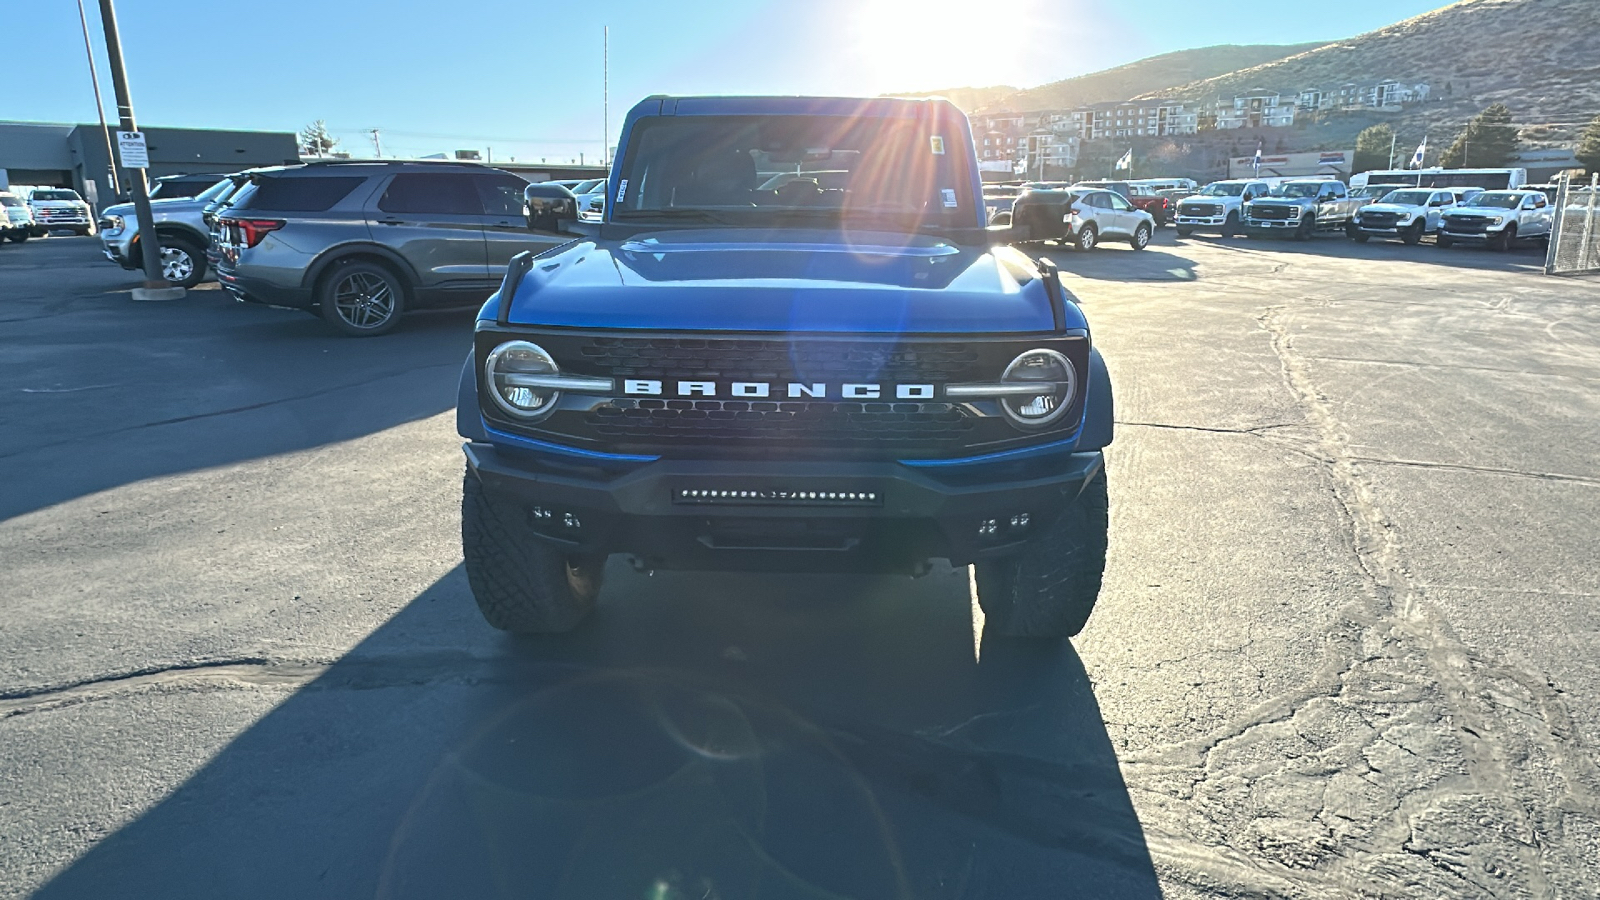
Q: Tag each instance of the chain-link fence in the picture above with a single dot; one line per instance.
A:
(1575, 234)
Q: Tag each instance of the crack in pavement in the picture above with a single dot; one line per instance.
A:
(1479, 470)
(1409, 764)
(382, 376)
(1258, 429)
(1409, 364)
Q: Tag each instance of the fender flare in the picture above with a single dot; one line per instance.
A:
(333, 254)
(1099, 414)
(469, 420)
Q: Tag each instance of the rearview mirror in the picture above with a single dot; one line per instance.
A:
(549, 207)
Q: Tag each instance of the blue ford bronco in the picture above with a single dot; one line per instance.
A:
(791, 345)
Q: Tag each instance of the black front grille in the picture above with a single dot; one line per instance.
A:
(766, 360)
(1199, 209)
(1269, 212)
(1379, 219)
(884, 425)
(1467, 224)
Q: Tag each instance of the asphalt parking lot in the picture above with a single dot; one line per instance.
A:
(1345, 645)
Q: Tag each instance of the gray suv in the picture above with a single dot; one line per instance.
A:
(362, 243)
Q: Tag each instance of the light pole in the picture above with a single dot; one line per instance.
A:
(99, 105)
(155, 286)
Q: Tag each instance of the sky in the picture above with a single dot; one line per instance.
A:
(524, 79)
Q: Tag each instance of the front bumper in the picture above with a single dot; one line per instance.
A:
(1274, 224)
(1482, 237)
(671, 513)
(1201, 221)
(118, 252)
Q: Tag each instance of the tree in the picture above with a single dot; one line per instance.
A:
(1488, 141)
(316, 141)
(1588, 151)
(1373, 146)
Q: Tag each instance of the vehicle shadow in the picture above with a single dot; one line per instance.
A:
(702, 736)
(117, 392)
(1162, 260)
(1522, 258)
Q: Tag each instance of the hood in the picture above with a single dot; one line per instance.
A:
(58, 204)
(794, 280)
(1199, 199)
(1482, 210)
(170, 204)
(1284, 201)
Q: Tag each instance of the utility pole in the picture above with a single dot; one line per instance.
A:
(377, 145)
(155, 286)
(99, 105)
(1393, 137)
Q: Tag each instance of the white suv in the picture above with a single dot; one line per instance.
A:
(1096, 214)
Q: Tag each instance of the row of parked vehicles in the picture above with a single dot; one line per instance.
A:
(35, 212)
(1079, 215)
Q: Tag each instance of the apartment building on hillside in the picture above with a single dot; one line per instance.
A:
(1257, 109)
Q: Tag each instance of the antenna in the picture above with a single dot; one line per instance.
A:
(605, 95)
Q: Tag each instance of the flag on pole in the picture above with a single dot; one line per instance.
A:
(1126, 162)
(1256, 163)
(1416, 158)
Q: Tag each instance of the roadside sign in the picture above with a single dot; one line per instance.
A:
(131, 149)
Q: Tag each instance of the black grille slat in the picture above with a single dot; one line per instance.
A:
(1269, 212)
(864, 424)
(782, 361)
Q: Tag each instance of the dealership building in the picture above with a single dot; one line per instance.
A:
(74, 156)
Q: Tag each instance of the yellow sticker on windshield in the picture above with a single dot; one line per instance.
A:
(936, 143)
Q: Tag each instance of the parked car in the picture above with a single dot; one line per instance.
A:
(179, 226)
(1153, 202)
(1124, 188)
(1499, 219)
(361, 243)
(60, 208)
(1370, 193)
(16, 220)
(1081, 218)
(1217, 205)
(1405, 214)
(176, 187)
(1300, 209)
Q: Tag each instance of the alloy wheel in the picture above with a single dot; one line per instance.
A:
(176, 264)
(364, 300)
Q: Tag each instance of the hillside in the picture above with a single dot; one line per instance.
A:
(1146, 75)
(1540, 57)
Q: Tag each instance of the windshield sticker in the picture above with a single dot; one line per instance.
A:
(936, 143)
(949, 195)
(622, 189)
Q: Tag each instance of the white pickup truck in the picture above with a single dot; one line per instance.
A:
(1300, 209)
(1499, 219)
(60, 208)
(1218, 206)
(1405, 213)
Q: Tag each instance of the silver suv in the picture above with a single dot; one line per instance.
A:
(179, 226)
(360, 243)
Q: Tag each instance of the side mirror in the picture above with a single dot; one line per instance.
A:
(549, 207)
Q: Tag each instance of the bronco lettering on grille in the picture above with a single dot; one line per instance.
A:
(646, 387)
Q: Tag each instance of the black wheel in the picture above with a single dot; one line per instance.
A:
(1184, 232)
(362, 299)
(1306, 229)
(521, 583)
(1413, 235)
(1050, 593)
(1230, 227)
(19, 236)
(1354, 233)
(1505, 238)
(182, 263)
(1087, 238)
(1141, 237)
(1444, 240)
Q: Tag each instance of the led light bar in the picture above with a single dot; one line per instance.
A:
(577, 384)
(775, 496)
(1001, 389)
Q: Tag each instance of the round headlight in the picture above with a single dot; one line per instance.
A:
(508, 373)
(1056, 381)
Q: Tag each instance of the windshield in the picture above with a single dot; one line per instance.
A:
(221, 188)
(1298, 189)
(8, 200)
(584, 187)
(1222, 189)
(1408, 198)
(771, 170)
(56, 195)
(1498, 200)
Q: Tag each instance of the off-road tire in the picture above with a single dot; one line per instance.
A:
(522, 584)
(19, 236)
(1413, 235)
(1505, 238)
(332, 286)
(1307, 228)
(1184, 232)
(1049, 590)
(1444, 241)
(1087, 239)
(1230, 225)
(1141, 237)
(1354, 233)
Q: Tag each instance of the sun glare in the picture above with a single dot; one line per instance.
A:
(912, 45)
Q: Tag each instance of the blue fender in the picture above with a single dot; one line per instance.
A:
(1099, 415)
